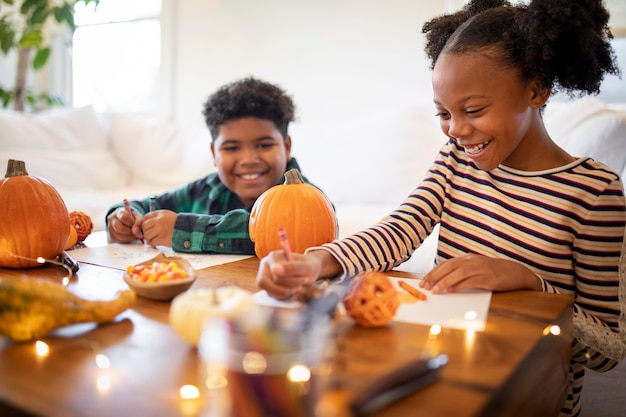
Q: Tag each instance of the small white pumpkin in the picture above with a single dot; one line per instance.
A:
(190, 310)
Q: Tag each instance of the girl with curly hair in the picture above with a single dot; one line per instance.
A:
(516, 212)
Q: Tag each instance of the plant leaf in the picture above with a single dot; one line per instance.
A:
(40, 14)
(30, 39)
(7, 35)
(65, 14)
(40, 58)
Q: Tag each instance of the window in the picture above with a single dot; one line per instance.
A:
(116, 56)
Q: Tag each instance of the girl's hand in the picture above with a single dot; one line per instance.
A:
(283, 279)
(158, 227)
(476, 271)
(121, 227)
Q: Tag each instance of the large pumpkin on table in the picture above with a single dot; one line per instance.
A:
(34, 221)
(301, 209)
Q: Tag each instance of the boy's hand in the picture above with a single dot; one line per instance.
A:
(476, 271)
(121, 227)
(283, 279)
(158, 227)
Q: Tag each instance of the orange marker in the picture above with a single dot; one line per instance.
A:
(412, 290)
(284, 242)
(132, 215)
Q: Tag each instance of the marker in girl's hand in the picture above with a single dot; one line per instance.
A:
(152, 203)
(284, 242)
(132, 215)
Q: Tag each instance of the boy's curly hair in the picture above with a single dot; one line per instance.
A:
(248, 97)
(565, 44)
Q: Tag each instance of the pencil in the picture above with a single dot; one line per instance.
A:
(412, 290)
(132, 215)
(284, 242)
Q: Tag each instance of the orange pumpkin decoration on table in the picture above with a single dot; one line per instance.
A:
(82, 224)
(34, 219)
(371, 299)
(301, 209)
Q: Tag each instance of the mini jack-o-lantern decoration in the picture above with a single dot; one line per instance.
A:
(35, 222)
(82, 223)
(301, 209)
(371, 299)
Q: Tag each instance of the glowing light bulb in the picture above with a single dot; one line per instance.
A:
(435, 329)
(102, 361)
(553, 329)
(42, 349)
(299, 373)
(471, 315)
(188, 392)
(254, 363)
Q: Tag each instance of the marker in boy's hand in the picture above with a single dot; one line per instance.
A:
(284, 242)
(132, 215)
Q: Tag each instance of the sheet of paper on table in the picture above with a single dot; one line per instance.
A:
(464, 310)
(119, 256)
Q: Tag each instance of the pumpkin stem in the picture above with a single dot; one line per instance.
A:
(15, 168)
(293, 177)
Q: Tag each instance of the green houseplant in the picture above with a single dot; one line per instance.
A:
(23, 25)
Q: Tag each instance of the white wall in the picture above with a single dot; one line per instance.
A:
(337, 58)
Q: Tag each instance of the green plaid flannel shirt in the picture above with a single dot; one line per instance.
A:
(211, 218)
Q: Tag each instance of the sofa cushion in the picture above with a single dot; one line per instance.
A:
(67, 147)
(588, 127)
(376, 158)
(150, 150)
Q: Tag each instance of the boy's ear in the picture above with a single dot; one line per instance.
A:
(539, 94)
(213, 153)
(288, 146)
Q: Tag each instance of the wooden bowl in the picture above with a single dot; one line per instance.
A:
(162, 290)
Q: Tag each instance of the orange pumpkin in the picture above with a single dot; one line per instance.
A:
(301, 209)
(35, 222)
(73, 239)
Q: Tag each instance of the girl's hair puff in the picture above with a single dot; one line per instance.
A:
(564, 44)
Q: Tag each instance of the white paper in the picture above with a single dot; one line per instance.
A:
(463, 310)
(119, 256)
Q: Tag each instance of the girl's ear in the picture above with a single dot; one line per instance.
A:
(539, 94)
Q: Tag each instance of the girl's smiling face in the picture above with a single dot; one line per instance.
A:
(250, 155)
(489, 111)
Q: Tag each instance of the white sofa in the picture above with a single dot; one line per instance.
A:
(366, 166)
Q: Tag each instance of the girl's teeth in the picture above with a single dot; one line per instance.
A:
(475, 149)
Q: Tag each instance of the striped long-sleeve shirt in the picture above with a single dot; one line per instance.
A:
(565, 224)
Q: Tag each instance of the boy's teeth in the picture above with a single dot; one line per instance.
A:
(476, 148)
(250, 176)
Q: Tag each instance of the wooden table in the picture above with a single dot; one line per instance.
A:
(510, 369)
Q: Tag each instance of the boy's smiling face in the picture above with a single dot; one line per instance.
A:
(250, 156)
